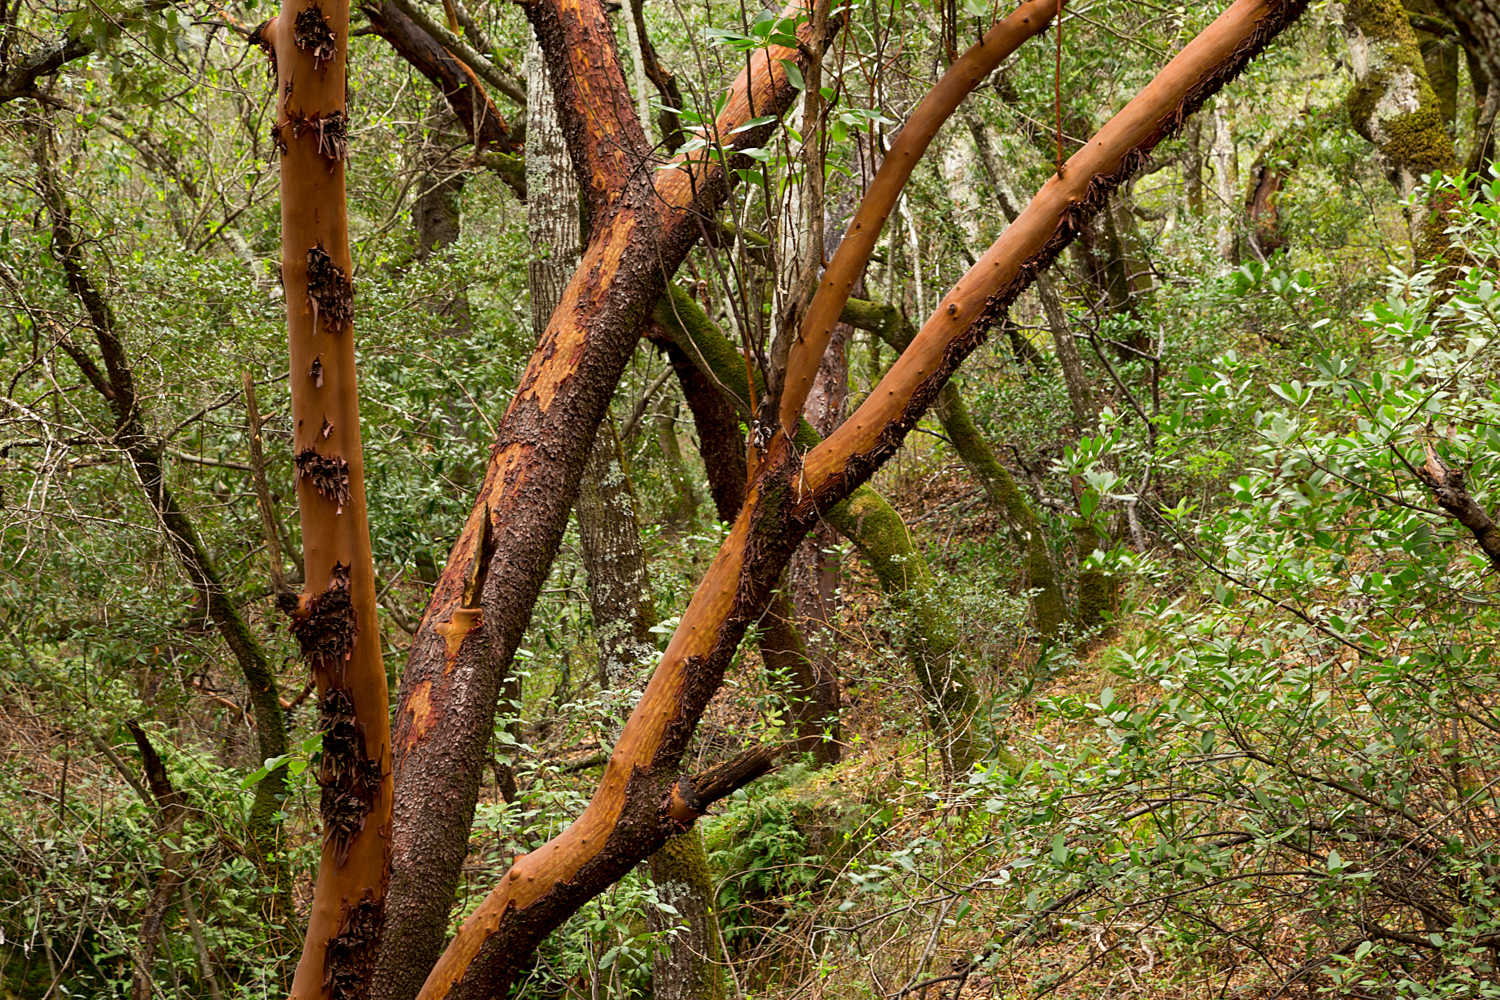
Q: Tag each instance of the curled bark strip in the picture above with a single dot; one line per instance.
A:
(1052, 220)
(1448, 490)
(351, 953)
(967, 72)
(350, 780)
(333, 134)
(314, 35)
(330, 293)
(329, 476)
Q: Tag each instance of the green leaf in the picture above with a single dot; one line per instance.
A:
(794, 74)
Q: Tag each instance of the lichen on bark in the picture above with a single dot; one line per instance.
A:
(1392, 103)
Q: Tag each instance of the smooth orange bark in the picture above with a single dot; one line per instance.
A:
(837, 284)
(310, 51)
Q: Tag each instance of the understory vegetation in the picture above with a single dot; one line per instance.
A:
(1252, 438)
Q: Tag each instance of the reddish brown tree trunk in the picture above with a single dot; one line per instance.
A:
(837, 284)
(643, 222)
(638, 804)
(335, 620)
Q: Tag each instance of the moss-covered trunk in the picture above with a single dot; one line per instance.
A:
(974, 451)
(1394, 106)
(879, 535)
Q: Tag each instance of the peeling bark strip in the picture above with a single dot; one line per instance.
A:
(1052, 220)
(349, 779)
(454, 668)
(966, 73)
(337, 626)
(625, 821)
(313, 34)
(330, 293)
(329, 476)
(351, 954)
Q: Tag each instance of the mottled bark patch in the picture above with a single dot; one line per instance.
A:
(350, 958)
(329, 475)
(350, 780)
(314, 35)
(330, 293)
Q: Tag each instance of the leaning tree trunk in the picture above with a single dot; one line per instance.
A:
(609, 534)
(642, 799)
(644, 222)
(878, 533)
(335, 619)
(813, 694)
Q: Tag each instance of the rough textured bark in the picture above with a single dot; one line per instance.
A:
(638, 803)
(967, 72)
(686, 966)
(116, 383)
(814, 695)
(1225, 155)
(980, 460)
(1448, 490)
(643, 222)
(20, 77)
(552, 220)
(1478, 24)
(335, 619)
